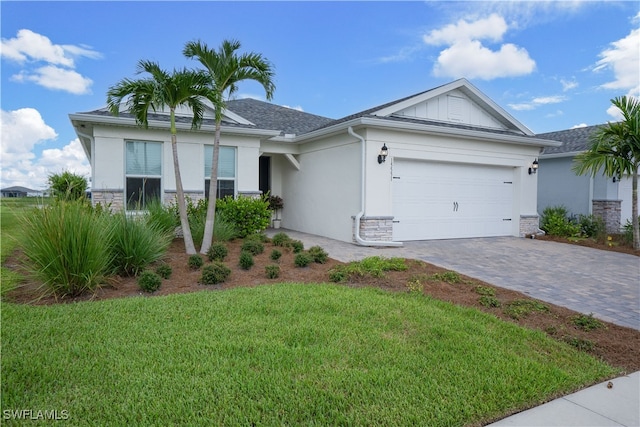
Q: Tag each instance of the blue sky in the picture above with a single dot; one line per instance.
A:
(552, 65)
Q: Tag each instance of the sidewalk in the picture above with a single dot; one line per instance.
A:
(598, 405)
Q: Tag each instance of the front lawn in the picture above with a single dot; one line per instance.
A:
(286, 354)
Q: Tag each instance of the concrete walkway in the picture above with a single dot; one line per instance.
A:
(583, 279)
(586, 280)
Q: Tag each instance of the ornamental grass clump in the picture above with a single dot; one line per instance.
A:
(136, 244)
(67, 247)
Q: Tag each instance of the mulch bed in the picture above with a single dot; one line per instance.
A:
(617, 345)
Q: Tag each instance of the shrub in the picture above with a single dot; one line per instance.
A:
(591, 226)
(249, 215)
(246, 260)
(627, 232)
(149, 281)
(280, 239)
(68, 186)
(446, 276)
(272, 271)
(520, 308)
(297, 246)
(374, 266)
(254, 247)
(485, 290)
(555, 221)
(68, 247)
(135, 244)
(579, 343)
(215, 273)
(217, 252)
(195, 262)
(489, 301)
(164, 270)
(302, 259)
(587, 323)
(318, 254)
(275, 255)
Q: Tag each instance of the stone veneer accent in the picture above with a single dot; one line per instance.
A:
(113, 198)
(529, 225)
(374, 228)
(170, 196)
(610, 212)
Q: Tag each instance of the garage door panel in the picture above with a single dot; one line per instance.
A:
(445, 200)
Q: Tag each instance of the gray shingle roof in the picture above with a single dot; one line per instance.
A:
(573, 140)
(274, 117)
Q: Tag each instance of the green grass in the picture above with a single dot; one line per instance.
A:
(11, 232)
(280, 355)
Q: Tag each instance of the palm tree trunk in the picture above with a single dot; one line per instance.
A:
(634, 209)
(182, 208)
(207, 238)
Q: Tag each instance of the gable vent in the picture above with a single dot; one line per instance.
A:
(456, 108)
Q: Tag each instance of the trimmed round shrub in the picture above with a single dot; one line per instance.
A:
(318, 254)
(217, 252)
(164, 270)
(272, 271)
(280, 239)
(246, 260)
(275, 255)
(149, 281)
(214, 273)
(195, 262)
(297, 246)
(302, 259)
(254, 247)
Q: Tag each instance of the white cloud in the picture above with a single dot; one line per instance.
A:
(537, 102)
(466, 55)
(623, 58)
(30, 50)
(491, 28)
(581, 125)
(615, 113)
(22, 131)
(57, 78)
(568, 84)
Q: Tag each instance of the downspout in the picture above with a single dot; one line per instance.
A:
(360, 214)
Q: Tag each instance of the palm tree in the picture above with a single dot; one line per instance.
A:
(162, 89)
(615, 149)
(226, 69)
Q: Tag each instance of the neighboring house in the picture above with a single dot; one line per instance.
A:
(18, 191)
(457, 165)
(558, 184)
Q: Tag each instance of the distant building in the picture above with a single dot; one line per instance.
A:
(17, 191)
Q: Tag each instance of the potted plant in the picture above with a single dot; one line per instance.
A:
(275, 204)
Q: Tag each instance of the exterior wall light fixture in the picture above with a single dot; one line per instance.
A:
(534, 167)
(384, 152)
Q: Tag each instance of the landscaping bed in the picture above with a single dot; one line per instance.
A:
(617, 345)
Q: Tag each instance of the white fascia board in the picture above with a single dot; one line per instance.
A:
(164, 125)
(430, 129)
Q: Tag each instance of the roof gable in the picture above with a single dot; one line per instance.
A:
(458, 102)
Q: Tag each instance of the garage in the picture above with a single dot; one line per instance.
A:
(440, 200)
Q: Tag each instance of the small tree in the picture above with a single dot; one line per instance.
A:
(67, 186)
(615, 150)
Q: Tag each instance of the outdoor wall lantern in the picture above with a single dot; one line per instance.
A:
(384, 152)
(534, 167)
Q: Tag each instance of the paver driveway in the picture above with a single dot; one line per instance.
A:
(586, 280)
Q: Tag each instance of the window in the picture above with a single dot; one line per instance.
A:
(143, 173)
(226, 171)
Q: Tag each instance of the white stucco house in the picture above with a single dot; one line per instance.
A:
(558, 184)
(457, 165)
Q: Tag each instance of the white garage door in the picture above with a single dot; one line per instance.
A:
(433, 200)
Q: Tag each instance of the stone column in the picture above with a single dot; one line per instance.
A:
(610, 212)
